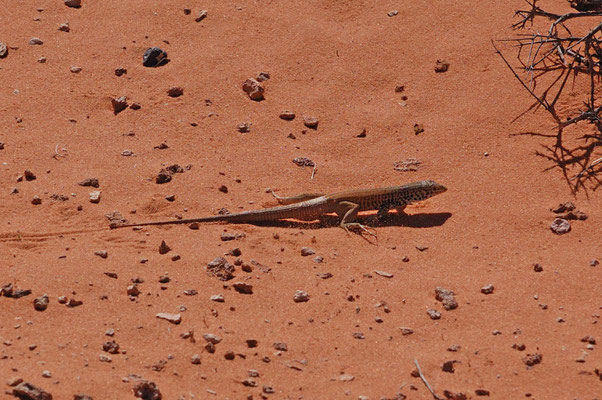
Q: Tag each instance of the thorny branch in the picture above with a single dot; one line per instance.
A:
(550, 59)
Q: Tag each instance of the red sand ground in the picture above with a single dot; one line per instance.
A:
(339, 61)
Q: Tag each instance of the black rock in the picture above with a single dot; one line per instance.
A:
(154, 57)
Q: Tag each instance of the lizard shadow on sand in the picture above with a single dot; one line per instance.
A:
(420, 220)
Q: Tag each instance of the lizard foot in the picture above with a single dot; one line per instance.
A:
(356, 226)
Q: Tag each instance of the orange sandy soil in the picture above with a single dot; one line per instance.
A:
(339, 61)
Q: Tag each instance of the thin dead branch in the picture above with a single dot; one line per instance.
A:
(544, 63)
(426, 382)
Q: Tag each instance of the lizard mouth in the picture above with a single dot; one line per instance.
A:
(434, 187)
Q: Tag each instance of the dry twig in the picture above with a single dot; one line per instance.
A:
(57, 153)
(426, 382)
(552, 58)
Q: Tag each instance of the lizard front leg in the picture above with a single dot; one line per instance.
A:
(383, 211)
(401, 210)
(349, 211)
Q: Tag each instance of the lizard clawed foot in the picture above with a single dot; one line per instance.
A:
(356, 226)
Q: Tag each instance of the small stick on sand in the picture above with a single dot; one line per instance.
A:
(426, 382)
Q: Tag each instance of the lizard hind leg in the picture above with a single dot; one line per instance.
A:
(349, 211)
(295, 199)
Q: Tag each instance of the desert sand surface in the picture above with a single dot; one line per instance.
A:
(368, 315)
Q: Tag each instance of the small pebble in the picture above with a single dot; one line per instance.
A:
(173, 318)
(95, 197)
(519, 346)
(244, 127)
(101, 253)
(447, 298)
(73, 3)
(560, 226)
(287, 115)
(36, 200)
(243, 288)
(434, 314)
(441, 66)
(175, 91)
(280, 346)
(202, 16)
(74, 303)
(111, 347)
(29, 176)
(3, 50)
(218, 298)
(89, 182)
(40, 303)
(154, 57)
(164, 248)
(307, 251)
(14, 381)
(263, 76)
(35, 41)
(253, 89)
(532, 359)
(119, 104)
(132, 290)
(64, 27)
(488, 289)
(310, 122)
(75, 69)
(249, 382)
(384, 274)
(301, 296)
(582, 357)
(212, 338)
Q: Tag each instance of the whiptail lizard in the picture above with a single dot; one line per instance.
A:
(310, 206)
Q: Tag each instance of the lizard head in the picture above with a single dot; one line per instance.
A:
(424, 189)
(432, 188)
